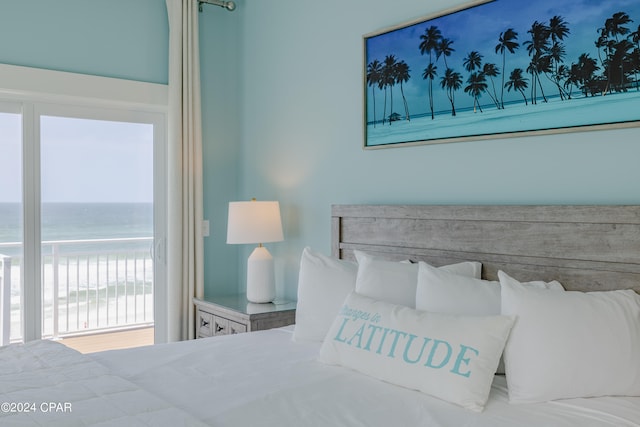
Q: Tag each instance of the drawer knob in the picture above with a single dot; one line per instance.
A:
(219, 327)
(203, 323)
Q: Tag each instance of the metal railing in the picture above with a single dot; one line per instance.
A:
(87, 285)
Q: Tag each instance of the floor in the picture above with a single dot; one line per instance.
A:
(110, 340)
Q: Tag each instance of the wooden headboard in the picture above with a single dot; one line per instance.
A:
(586, 248)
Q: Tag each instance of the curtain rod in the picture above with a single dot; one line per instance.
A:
(229, 5)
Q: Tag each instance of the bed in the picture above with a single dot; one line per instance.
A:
(275, 378)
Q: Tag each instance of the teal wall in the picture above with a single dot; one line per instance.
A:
(282, 99)
(111, 38)
(129, 39)
(301, 77)
(220, 62)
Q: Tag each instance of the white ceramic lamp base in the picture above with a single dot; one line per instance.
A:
(261, 283)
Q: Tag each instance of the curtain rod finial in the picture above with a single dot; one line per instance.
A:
(229, 5)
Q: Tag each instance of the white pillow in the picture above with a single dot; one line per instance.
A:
(553, 285)
(323, 284)
(449, 357)
(443, 292)
(395, 282)
(571, 344)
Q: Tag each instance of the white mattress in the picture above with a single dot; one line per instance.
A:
(266, 379)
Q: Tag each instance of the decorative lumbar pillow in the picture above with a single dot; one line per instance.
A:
(449, 357)
(395, 282)
(324, 282)
(571, 344)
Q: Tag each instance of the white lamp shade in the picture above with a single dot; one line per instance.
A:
(254, 222)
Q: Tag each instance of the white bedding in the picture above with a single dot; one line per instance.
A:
(264, 378)
(261, 378)
(44, 383)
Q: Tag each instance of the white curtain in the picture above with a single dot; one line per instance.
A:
(184, 243)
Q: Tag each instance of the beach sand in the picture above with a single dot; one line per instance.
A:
(555, 114)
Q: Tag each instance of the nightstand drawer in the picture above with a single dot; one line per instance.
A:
(236, 328)
(234, 314)
(220, 326)
(204, 324)
(223, 326)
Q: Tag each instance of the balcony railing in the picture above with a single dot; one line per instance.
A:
(87, 286)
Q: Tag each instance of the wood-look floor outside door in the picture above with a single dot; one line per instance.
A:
(110, 340)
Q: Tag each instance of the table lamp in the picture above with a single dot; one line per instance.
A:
(256, 222)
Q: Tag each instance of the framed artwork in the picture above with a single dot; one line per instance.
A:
(503, 68)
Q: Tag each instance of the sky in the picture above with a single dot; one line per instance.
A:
(478, 29)
(81, 160)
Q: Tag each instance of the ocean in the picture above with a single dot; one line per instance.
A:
(80, 221)
(100, 283)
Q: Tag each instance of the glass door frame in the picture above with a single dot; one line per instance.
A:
(17, 108)
(91, 97)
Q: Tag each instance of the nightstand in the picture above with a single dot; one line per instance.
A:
(234, 314)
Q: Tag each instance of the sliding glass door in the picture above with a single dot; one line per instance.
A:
(96, 224)
(81, 225)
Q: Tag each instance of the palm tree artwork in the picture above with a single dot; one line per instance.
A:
(547, 57)
(429, 44)
(558, 30)
(506, 43)
(477, 85)
(477, 81)
(540, 63)
(517, 82)
(635, 58)
(618, 48)
(430, 74)
(472, 61)
(402, 76)
(374, 74)
(389, 77)
(386, 75)
(444, 49)
(451, 82)
(490, 70)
